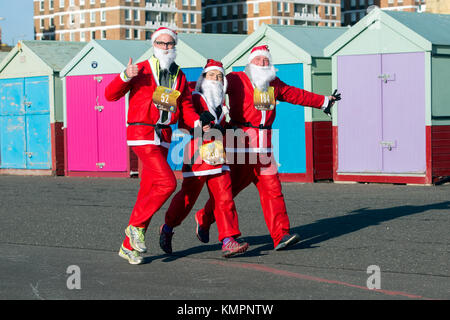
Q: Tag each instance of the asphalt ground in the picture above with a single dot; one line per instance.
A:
(59, 239)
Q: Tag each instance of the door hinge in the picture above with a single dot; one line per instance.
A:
(99, 108)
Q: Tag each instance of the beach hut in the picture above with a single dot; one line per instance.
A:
(95, 129)
(393, 123)
(193, 50)
(31, 107)
(302, 136)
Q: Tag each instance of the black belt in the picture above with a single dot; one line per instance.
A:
(158, 127)
(248, 124)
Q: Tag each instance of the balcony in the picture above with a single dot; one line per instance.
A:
(168, 6)
(307, 16)
(158, 24)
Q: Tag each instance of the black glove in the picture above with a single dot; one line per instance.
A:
(220, 128)
(334, 97)
(206, 118)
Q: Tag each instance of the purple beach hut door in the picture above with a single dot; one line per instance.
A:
(381, 120)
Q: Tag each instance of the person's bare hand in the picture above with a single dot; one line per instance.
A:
(132, 69)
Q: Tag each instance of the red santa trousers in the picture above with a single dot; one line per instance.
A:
(158, 182)
(221, 203)
(271, 197)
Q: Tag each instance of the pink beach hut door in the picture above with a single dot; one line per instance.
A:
(96, 131)
(112, 142)
(82, 142)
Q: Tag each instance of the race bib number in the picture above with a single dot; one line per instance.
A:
(165, 99)
(264, 100)
(213, 153)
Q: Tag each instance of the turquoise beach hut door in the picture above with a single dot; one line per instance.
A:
(288, 136)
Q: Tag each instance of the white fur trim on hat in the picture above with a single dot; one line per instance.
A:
(257, 53)
(171, 33)
(214, 68)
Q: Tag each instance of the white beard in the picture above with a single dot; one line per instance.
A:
(213, 92)
(165, 57)
(260, 76)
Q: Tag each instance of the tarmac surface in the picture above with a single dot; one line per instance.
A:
(59, 239)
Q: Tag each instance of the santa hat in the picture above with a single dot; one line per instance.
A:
(211, 65)
(163, 30)
(260, 51)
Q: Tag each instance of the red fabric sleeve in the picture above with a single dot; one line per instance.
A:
(188, 114)
(117, 88)
(296, 96)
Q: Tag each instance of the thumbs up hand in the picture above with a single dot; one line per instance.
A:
(132, 69)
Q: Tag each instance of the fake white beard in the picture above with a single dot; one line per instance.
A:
(261, 76)
(165, 57)
(213, 92)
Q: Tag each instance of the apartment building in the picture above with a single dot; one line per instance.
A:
(84, 20)
(227, 16)
(438, 6)
(355, 10)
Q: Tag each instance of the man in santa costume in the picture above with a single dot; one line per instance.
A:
(205, 163)
(158, 96)
(252, 99)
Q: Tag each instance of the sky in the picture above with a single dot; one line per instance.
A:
(18, 20)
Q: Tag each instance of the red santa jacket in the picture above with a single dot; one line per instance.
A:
(194, 165)
(142, 112)
(257, 124)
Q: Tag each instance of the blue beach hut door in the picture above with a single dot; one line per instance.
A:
(25, 123)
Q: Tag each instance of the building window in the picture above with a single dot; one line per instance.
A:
(214, 28)
(50, 4)
(193, 4)
(286, 7)
(62, 3)
(72, 36)
(103, 34)
(235, 26)
(72, 4)
(224, 27)
(92, 35)
(235, 10)
(41, 5)
(127, 34)
(185, 2)
(82, 36)
(214, 12)
(92, 2)
(41, 24)
(244, 26)
(279, 6)
(82, 2)
(103, 16)
(128, 14)
(256, 7)
(92, 17)
(82, 17)
(192, 17)
(224, 11)
(136, 15)
(185, 18)
(51, 22)
(136, 34)
(61, 20)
